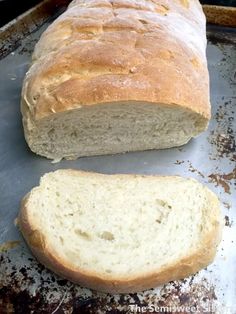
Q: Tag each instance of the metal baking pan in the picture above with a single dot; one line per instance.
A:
(26, 286)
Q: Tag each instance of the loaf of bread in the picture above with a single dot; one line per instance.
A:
(121, 233)
(111, 76)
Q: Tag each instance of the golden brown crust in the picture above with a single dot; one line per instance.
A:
(220, 15)
(183, 268)
(103, 51)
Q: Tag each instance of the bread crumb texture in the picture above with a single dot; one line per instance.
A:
(120, 226)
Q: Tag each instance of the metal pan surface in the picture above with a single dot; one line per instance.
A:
(27, 287)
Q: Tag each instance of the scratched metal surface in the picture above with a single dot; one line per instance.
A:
(27, 287)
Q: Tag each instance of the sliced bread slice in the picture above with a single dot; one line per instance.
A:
(121, 233)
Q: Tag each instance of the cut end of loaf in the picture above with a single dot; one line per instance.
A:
(121, 233)
(107, 74)
(112, 128)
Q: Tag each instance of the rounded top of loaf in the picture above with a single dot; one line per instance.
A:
(103, 51)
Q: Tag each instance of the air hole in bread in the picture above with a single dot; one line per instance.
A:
(106, 235)
(61, 240)
(163, 203)
(163, 208)
(36, 97)
(51, 132)
(82, 234)
(74, 134)
(108, 271)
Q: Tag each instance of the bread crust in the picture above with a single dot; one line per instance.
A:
(191, 264)
(220, 15)
(104, 51)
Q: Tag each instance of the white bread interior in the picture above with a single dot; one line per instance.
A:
(121, 233)
(112, 128)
